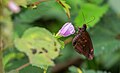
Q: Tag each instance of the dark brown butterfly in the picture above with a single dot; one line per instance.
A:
(82, 43)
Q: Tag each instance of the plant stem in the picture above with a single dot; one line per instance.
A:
(23, 66)
(44, 71)
(68, 40)
(79, 70)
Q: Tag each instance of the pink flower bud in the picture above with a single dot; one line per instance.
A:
(66, 30)
(13, 6)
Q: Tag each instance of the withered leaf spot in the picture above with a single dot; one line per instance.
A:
(44, 50)
(34, 51)
(40, 52)
(56, 49)
(54, 43)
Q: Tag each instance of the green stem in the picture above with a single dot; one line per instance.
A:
(79, 70)
(45, 71)
(57, 36)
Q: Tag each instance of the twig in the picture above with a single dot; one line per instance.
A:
(23, 66)
(68, 40)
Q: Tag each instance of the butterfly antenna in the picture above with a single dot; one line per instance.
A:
(83, 15)
(91, 20)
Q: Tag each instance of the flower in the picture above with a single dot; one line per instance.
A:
(66, 30)
(13, 6)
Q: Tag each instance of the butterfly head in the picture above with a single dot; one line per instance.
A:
(82, 29)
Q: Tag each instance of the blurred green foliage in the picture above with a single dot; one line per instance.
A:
(104, 32)
(107, 48)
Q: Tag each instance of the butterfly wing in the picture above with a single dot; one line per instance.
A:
(83, 44)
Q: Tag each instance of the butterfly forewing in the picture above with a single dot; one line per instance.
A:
(83, 44)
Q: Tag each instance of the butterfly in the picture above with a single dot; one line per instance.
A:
(82, 43)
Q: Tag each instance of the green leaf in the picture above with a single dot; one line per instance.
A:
(73, 69)
(65, 6)
(20, 28)
(87, 12)
(8, 57)
(97, 1)
(31, 69)
(13, 71)
(40, 46)
(62, 44)
(14, 64)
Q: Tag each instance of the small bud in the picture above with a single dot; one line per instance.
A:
(13, 6)
(66, 30)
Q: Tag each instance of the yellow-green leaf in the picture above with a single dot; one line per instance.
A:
(40, 46)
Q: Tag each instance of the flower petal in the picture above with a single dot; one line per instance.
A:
(66, 30)
(13, 6)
